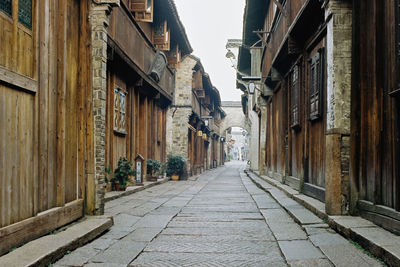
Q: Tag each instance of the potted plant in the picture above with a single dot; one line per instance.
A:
(120, 177)
(108, 178)
(175, 166)
(153, 168)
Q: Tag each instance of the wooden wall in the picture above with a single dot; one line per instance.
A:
(43, 133)
(145, 131)
(375, 113)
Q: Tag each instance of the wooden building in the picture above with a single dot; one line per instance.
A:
(194, 124)
(303, 109)
(146, 42)
(375, 116)
(46, 137)
(82, 83)
(332, 123)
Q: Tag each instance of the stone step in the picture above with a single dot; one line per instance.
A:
(49, 248)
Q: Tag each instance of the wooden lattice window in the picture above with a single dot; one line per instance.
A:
(25, 13)
(161, 35)
(120, 110)
(295, 97)
(143, 9)
(317, 68)
(6, 6)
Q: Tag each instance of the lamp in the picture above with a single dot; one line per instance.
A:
(251, 88)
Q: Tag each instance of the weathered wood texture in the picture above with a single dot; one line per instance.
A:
(43, 223)
(295, 144)
(375, 120)
(43, 132)
(145, 129)
(137, 48)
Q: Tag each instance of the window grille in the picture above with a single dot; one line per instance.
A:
(6, 7)
(25, 12)
(317, 70)
(120, 111)
(295, 97)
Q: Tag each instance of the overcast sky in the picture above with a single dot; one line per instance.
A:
(209, 24)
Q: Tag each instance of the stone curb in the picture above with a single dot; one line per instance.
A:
(348, 226)
(119, 194)
(49, 248)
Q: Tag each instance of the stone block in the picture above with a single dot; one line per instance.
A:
(300, 250)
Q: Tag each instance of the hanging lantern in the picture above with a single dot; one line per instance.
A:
(199, 133)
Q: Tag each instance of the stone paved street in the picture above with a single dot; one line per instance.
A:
(220, 219)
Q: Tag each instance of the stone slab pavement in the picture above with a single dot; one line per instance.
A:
(220, 219)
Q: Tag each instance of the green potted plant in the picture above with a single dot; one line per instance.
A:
(153, 168)
(175, 166)
(109, 175)
(120, 177)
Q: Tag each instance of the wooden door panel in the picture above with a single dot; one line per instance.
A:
(16, 155)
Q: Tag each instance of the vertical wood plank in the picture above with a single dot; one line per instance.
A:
(61, 101)
(43, 104)
(3, 187)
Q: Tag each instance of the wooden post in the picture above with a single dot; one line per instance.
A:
(61, 92)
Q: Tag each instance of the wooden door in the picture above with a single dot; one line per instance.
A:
(375, 111)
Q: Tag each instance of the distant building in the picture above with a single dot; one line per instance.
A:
(194, 119)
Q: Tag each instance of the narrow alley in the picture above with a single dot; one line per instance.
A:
(219, 219)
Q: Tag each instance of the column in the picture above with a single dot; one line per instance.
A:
(99, 20)
(337, 142)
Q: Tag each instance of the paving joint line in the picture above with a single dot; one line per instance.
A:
(297, 221)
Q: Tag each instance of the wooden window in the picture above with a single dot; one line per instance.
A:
(174, 57)
(6, 7)
(295, 97)
(25, 13)
(143, 9)
(120, 111)
(161, 35)
(317, 68)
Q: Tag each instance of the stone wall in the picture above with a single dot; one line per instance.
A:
(178, 114)
(99, 21)
(339, 47)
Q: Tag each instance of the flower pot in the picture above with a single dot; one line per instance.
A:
(152, 178)
(117, 187)
(175, 177)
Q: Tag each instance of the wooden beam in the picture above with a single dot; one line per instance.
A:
(18, 80)
(42, 224)
(281, 8)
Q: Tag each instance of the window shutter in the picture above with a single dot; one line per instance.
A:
(316, 84)
(295, 97)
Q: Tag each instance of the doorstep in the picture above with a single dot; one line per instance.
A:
(49, 248)
(378, 241)
(132, 189)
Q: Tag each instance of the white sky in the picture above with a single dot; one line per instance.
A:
(209, 24)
